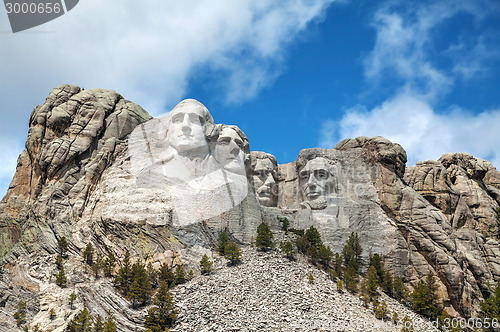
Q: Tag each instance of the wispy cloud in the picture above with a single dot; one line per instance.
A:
(424, 133)
(408, 58)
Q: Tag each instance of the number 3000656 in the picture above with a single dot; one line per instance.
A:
(33, 8)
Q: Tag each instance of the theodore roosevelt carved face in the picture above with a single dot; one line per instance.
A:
(264, 171)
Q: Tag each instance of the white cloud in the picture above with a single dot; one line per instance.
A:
(405, 46)
(425, 134)
(148, 51)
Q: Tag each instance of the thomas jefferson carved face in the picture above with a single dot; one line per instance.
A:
(264, 179)
(316, 182)
(229, 151)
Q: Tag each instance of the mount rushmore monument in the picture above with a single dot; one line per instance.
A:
(98, 168)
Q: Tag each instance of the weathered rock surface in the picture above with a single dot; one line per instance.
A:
(75, 179)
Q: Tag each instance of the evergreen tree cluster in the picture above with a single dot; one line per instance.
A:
(229, 249)
(137, 283)
(310, 244)
(490, 308)
(264, 240)
(85, 322)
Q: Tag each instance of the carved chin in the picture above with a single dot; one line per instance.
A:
(266, 201)
(319, 203)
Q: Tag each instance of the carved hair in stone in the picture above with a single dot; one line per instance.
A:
(232, 150)
(265, 175)
(317, 182)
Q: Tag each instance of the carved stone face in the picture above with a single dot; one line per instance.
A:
(229, 151)
(265, 185)
(186, 131)
(316, 182)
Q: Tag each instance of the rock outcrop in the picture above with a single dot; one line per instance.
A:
(98, 169)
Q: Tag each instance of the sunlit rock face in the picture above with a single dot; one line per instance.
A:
(100, 169)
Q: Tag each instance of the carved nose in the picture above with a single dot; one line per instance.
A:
(186, 124)
(269, 180)
(234, 149)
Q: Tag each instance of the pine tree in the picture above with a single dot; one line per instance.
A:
(490, 308)
(425, 297)
(163, 314)
(312, 235)
(287, 249)
(232, 253)
(97, 266)
(109, 263)
(62, 244)
(302, 244)
(205, 265)
(98, 324)
(88, 254)
(285, 223)
(264, 240)
(166, 275)
(61, 279)
(372, 282)
(20, 314)
(310, 278)
(400, 292)
(351, 253)
(180, 275)
(52, 314)
(110, 325)
(71, 299)
(351, 278)
(325, 255)
(81, 322)
(337, 264)
(153, 275)
(223, 241)
(59, 262)
(123, 280)
(140, 289)
(380, 310)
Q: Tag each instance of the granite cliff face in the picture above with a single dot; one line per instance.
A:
(99, 169)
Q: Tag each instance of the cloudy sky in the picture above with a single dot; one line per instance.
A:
(291, 75)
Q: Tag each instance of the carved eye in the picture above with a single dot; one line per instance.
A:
(223, 141)
(304, 175)
(321, 174)
(177, 118)
(196, 119)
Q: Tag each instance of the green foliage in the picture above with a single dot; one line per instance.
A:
(380, 310)
(490, 308)
(310, 278)
(71, 299)
(163, 314)
(20, 314)
(110, 325)
(298, 232)
(97, 266)
(337, 264)
(302, 244)
(52, 314)
(407, 324)
(180, 275)
(232, 253)
(62, 245)
(190, 275)
(139, 292)
(166, 275)
(287, 249)
(222, 243)
(59, 262)
(340, 286)
(153, 275)
(425, 300)
(205, 265)
(109, 264)
(61, 279)
(312, 235)
(387, 283)
(400, 291)
(123, 280)
(324, 255)
(264, 238)
(98, 324)
(88, 254)
(372, 282)
(351, 253)
(285, 223)
(376, 261)
(351, 279)
(81, 322)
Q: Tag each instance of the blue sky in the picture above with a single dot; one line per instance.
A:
(291, 75)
